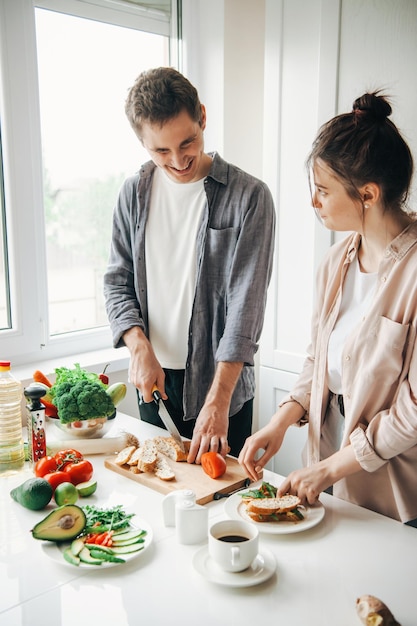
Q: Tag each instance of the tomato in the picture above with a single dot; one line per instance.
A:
(56, 478)
(79, 472)
(44, 466)
(65, 457)
(213, 464)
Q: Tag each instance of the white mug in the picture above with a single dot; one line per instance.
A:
(233, 544)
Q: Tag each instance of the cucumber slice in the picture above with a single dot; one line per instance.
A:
(134, 547)
(129, 535)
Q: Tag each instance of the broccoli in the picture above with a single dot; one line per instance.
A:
(82, 401)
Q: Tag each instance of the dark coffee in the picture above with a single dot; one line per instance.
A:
(233, 538)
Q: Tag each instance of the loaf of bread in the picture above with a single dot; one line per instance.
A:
(152, 456)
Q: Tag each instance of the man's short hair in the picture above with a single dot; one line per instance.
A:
(159, 95)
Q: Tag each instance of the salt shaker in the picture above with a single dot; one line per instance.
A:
(169, 502)
(191, 522)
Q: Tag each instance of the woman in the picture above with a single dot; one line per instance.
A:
(358, 387)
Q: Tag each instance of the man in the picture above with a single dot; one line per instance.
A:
(189, 267)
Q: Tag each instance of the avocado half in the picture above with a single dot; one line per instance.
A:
(62, 524)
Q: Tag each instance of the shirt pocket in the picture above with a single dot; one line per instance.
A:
(383, 352)
(220, 251)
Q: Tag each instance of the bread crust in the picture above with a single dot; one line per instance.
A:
(273, 506)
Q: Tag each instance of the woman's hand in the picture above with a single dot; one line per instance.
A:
(306, 483)
(309, 482)
(268, 439)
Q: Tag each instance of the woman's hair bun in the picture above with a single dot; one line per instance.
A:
(372, 106)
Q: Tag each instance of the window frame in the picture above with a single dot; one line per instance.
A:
(28, 340)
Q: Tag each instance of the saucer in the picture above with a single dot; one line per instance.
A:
(261, 569)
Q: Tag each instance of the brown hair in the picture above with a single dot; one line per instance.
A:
(364, 146)
(160, 94)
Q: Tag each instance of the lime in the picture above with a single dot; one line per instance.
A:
(66, 493)
(87, 488)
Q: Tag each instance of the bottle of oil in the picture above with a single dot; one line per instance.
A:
(12, 453)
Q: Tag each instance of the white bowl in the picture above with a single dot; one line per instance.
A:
(85, 429)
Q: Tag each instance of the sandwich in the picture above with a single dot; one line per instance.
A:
(263, 505)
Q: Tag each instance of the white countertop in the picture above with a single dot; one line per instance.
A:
(320, 572)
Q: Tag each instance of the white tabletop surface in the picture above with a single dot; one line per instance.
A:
(319, 572)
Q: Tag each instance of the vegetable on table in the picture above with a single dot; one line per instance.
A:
(33, 493)
(67, 465)
(82, 401)
(101, 520)
(79, 471)
(39, 377)
(56, 478)
(213, 464)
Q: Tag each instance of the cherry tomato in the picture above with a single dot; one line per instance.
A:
(213, 464)
(44, 466)
(65, 457)
(56, 478)
(79, 472)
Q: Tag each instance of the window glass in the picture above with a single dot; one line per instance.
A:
(85, 68)
(4, 291)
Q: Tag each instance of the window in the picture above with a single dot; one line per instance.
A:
(67, 147)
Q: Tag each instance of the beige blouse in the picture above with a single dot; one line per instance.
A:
(379, 378)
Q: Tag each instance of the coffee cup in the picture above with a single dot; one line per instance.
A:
(233, 544)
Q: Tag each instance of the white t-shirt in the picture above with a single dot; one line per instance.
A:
(357, 293)
(170, 249)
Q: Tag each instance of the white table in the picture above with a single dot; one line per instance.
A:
(319, 575)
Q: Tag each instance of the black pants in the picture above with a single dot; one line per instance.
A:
(240, 424)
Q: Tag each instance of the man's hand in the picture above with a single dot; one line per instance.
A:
(144, 368)
(210, 430)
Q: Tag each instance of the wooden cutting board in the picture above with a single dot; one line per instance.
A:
(187, 476)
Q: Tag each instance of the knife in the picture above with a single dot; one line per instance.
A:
(166, 418)
(221, 494)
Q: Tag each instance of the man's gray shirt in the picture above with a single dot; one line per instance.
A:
(235, 246)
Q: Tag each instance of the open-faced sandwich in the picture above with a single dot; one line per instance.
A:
(263, 505)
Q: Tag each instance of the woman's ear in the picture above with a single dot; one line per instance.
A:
(371, 193)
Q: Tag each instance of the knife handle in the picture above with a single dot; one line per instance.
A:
(156, 394)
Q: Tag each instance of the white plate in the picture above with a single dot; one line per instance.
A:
(236, 509)
(261, 570)
(55, 550)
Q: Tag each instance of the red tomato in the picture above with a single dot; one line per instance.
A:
(79, 472)
(65, 457)
(44, 466)
(56, 478)
(213, 464)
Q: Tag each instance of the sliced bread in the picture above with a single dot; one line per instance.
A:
(171, 449)
(147, 456)
(124, 455)
(163, 469)
(271, 506)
